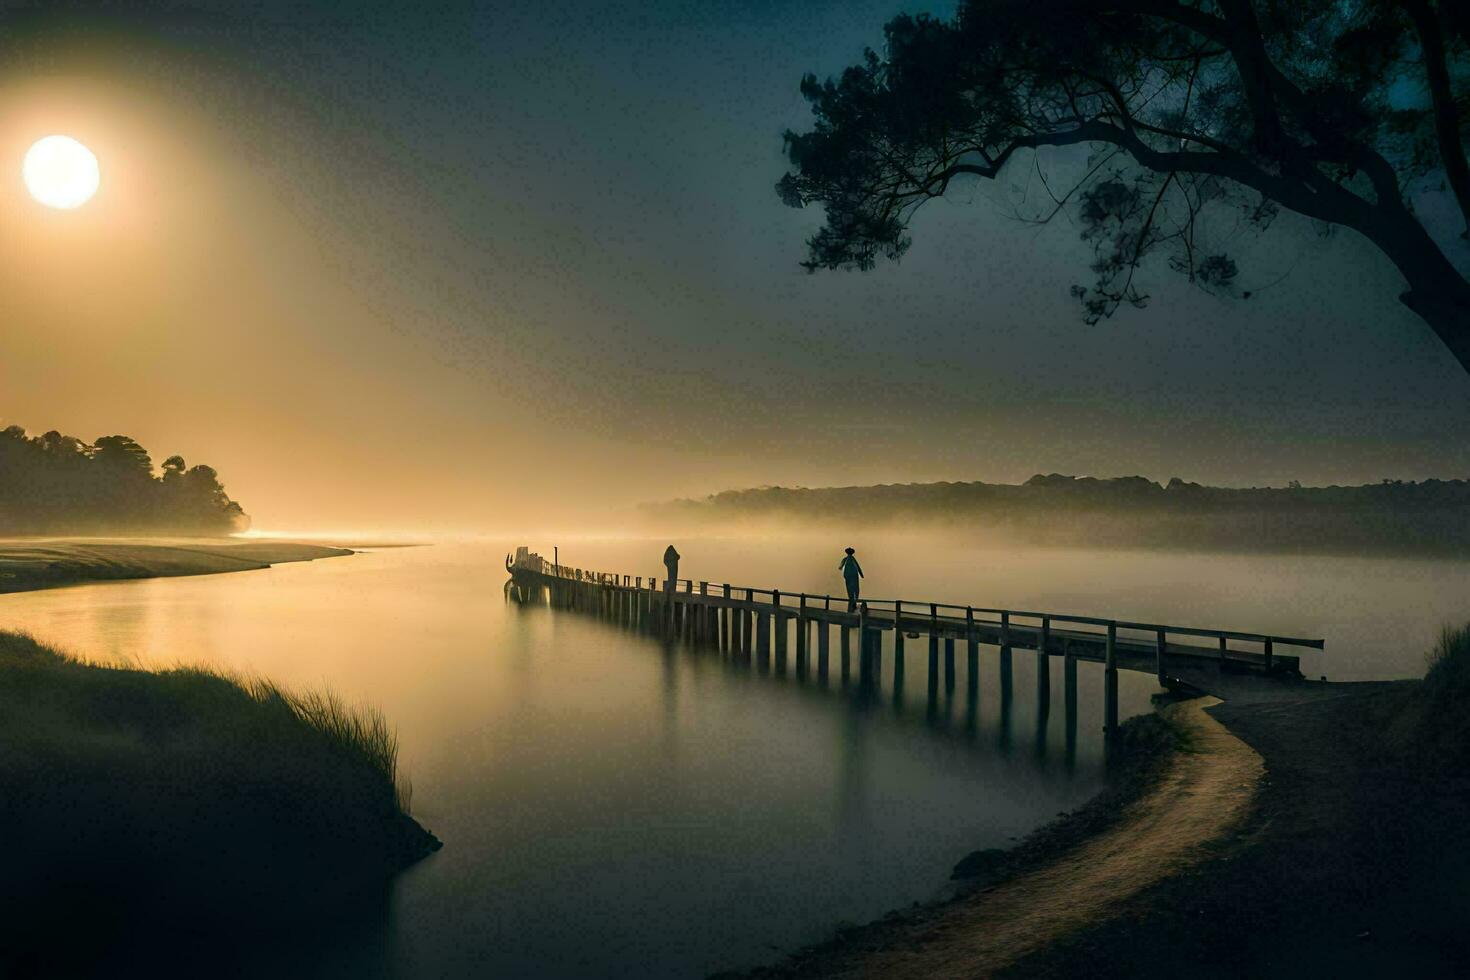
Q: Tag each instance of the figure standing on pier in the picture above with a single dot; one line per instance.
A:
(851, 572)
(671, 563)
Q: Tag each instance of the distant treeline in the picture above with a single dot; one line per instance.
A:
(55, 484)
(1432, 517)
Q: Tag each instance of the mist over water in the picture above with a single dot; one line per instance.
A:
(595, 785)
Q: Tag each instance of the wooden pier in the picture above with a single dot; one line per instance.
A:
(746, 621)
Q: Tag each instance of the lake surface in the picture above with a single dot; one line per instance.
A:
(612, 805)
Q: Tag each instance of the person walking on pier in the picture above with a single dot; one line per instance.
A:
(851, 572)
(671, 564)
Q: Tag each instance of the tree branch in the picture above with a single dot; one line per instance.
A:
(1446, 116)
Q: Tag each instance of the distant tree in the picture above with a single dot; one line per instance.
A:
(1329, 108)
(55, 483)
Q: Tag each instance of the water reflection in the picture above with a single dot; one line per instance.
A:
(939, 703)
(613, 801)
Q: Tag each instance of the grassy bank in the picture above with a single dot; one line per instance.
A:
(43, 563)
(205, 803)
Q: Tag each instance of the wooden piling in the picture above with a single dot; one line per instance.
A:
(780, 625)
(1161, 647)
(823, 640)
(933, 645)
(1110, 682)
(1043, 661)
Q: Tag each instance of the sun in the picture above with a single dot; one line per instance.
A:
(60, 172)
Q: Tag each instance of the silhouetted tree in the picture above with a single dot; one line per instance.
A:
(1330, 108)
(55, 483)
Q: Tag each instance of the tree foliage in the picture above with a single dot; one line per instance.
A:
(53, 483)
(1334, 109)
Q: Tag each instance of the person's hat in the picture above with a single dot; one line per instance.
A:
(849, 551)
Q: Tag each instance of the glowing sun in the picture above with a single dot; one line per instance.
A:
(60, 172)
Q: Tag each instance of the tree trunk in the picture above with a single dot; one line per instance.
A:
(1437, 292)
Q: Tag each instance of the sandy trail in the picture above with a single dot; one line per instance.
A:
(1204, 795)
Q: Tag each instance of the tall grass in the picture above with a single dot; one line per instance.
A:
(359, 731)
(130, 797)
(1432, 720)
(99, 695)
(1449, 662)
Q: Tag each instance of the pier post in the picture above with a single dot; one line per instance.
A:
(725, 620)
(1043, 663)
(1161, 646)
(972, 652)
(763, 635)
(933, 648)
(1007, 693)
(1110, 682)
(801, 636)
(898, 636)
(1069, 696)
(823, 641)
(844, 641)
(780, 626)
(689, 612)
(1224, 652)
(747, 618)
(1270, 655)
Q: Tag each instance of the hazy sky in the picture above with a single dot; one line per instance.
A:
(474, 265)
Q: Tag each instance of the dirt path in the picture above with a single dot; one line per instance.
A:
(1205, 794)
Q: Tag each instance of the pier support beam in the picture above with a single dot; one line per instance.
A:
(1110, 682)
(824, 631)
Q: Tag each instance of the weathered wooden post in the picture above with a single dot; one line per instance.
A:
(1161, 647)
(1223, 652)
(823, 642)
(1110, 682)
(1270, 655)
(972, 650)
(844, 642)
(780, 628)
(864, 656)
(763, 634)
(898, 637)
(1043, 662)
(801, 635)
(748, 618)
(933, 646)
(725, 620)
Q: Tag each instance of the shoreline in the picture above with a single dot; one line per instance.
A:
(30, 564)
(189, 797)
(1343, 851)
(1014, 901)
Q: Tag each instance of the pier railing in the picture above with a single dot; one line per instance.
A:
(746, 619)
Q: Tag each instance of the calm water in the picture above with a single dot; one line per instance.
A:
(612, 806)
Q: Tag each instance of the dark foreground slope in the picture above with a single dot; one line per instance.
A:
(171, 823)
(1353, 860)
(1357, 862)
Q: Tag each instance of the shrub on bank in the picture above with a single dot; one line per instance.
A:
(187, 794)
(1431, 724)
